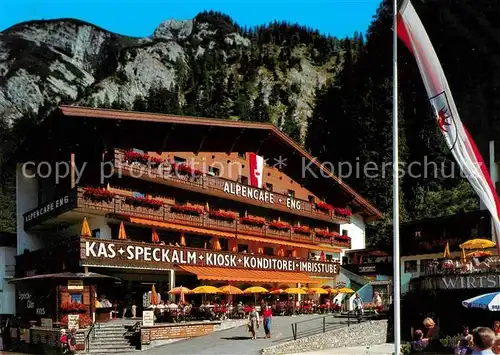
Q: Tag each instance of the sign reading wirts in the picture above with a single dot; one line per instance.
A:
(126, 254)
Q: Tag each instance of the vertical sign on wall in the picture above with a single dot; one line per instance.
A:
(73, 321)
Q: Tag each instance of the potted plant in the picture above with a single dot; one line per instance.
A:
(325, 207)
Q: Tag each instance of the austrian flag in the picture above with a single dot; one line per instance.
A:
(256, 169)
(411, 31)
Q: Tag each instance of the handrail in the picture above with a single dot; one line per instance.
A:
(87, 337)
(323, 328)
(133, 329)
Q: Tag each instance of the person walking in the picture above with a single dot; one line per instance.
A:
(358, 307)
(253, 322)
(267, 316)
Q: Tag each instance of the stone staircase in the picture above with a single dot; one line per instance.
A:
(112, 337)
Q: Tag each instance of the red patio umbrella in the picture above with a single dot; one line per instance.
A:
(322, 257)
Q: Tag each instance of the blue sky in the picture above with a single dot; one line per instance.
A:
(140, 18)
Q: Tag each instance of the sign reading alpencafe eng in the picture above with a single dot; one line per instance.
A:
(126, 254)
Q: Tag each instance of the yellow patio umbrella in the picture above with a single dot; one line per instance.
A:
(346, 290)
(179, 290)
(332, 291)
(447, 254)
(318, 291)
(183, 240)
(295, 291)
(478, 244)
(205, 289)
(479, 253)
(305, 288)
(121, 234)
(255, 289)
(230, 290)
(85, 228)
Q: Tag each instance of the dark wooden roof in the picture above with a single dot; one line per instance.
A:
(160, 132)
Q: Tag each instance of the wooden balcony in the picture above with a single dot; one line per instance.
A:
(221, 188)
(118, 205)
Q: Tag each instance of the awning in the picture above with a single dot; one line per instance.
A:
(264, 276)
(181, 228)
(288, 243)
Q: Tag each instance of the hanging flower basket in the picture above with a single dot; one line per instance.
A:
(143, 158)
(192, 210)
(144, 202)
(302, 230)
(325, 207)
(279, 225)
(223, 215)
(343, 212)
(185, 169)
(253, 221)
(98, 194)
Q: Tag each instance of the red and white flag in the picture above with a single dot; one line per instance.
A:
(411, 31)
(256, 169)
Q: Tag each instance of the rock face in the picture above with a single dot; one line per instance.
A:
(205, 60)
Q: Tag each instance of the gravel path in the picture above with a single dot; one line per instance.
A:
(364, 334)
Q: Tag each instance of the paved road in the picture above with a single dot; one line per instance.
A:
(239, 341)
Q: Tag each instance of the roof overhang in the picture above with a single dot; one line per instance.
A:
(192, 134)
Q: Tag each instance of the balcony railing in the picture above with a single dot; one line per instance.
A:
(217, 186)
(119, 205)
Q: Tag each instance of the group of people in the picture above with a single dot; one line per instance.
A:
(254, 321)
(482, 340)
(67, 341)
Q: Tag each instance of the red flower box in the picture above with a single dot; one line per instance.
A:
(192, 210)
(342, 238)
(323, 206)
(279, 225)
(343, 212)
(302, 230)
(144, 202)
(143, 158)
(97, 194)
(72, 306)
(323, 233)
(227, 216)
(253, 221)
(185, 169)
(84, 321)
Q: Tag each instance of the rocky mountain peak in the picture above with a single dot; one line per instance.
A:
(174, 30)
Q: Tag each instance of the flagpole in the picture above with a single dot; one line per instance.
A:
(395, 186)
